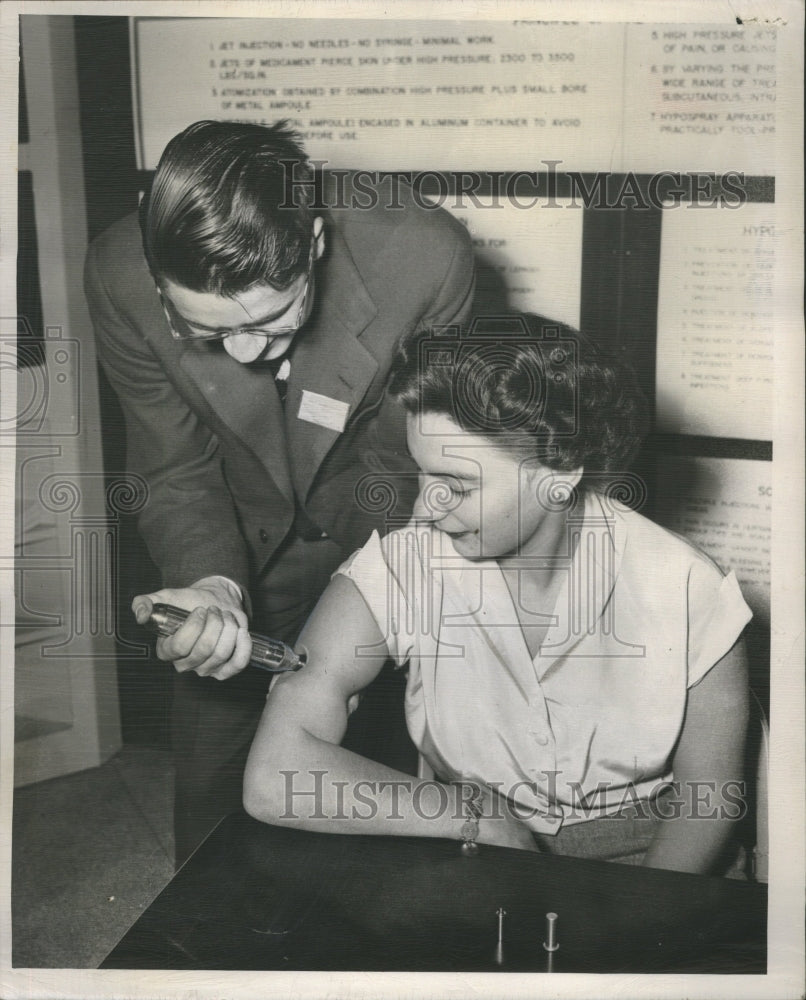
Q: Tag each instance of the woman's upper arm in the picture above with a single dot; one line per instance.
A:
(711, 743)
(707, 765)
(345, 652)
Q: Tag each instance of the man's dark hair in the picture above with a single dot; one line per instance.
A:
(531, 385)
(213, 220)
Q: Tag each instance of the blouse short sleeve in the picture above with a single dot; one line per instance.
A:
(717, 613)
(375, 571)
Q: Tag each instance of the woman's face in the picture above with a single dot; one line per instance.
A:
(486, 499)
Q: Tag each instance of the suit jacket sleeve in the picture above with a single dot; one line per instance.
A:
(453, 302)
(189, 522)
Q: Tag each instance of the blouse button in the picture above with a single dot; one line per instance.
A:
(542, 740)
(262, 535)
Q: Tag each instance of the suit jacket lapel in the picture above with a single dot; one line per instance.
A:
(246, 401)
(329, 359)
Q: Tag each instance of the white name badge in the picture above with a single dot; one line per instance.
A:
(322, 410)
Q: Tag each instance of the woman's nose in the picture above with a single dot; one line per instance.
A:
(434, 501)
(421, 511)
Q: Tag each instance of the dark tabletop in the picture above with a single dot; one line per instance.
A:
(260, 897)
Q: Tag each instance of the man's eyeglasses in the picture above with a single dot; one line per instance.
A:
(183, 329)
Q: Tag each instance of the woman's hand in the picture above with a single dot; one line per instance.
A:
(510, 833)
(499, 826)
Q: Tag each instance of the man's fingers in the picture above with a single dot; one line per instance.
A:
(180, 645)
(208, 642)
(206, 646)
(212, 642)
(187, 599)
(240, 656)
(216, 643)
(142, 606)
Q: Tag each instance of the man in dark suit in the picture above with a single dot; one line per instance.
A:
(247, 326)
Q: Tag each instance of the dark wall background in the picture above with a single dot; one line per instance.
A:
(113, 187)
(29, 295)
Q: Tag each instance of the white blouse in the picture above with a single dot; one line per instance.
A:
(590, 723)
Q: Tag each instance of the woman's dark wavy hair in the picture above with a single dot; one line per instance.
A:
(536, 387)
(213, 220)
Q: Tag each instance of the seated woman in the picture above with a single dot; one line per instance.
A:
(576, 675)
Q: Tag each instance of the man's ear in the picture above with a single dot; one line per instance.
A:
(318, 237)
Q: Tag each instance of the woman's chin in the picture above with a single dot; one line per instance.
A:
(466, 544)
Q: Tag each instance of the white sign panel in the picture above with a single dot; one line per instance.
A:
(724, 506)
(489, 95)
(716, 321)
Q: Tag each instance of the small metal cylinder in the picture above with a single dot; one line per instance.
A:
(550, 943)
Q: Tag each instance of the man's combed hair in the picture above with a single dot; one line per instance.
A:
(214, 219)
(534, 386)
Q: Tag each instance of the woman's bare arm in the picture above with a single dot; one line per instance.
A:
(298, 774)
(708, 766)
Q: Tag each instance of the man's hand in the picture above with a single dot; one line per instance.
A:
(214, 640)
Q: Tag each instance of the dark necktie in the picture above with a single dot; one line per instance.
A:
(279, 369)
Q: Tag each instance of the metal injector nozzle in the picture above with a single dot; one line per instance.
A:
(268, 654)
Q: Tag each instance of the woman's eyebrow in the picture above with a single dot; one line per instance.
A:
(468, 477)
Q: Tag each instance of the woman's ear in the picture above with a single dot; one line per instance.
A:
(564, 484)
(570, 479)
(554, 488)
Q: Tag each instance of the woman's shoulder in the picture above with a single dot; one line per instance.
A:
(678, 588)
(394, 551)
(645, 538)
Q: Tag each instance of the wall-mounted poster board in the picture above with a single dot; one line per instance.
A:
(716, 322)
(488, 97)
(534, 256)
(414, 96)
(725, 507)
(491, 95)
